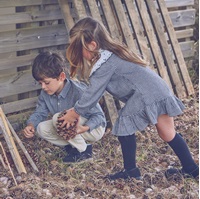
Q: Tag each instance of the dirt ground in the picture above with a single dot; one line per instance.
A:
(57, 180)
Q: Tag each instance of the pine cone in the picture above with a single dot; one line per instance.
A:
(66, 133)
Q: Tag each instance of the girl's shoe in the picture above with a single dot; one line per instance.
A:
(126, 174)
(172, 171)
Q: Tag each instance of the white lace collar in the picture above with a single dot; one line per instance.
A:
(105, 54)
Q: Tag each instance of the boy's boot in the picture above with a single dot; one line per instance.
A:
(76, 156)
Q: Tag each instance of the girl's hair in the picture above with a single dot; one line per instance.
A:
(87, 30)
(48, 65)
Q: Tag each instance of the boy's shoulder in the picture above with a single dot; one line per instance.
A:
(78, 84)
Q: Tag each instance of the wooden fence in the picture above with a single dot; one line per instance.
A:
(160, 30)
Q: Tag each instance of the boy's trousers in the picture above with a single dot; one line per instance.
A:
(47, 131)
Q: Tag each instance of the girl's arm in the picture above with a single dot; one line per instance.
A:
(69, 118)
(98, 83)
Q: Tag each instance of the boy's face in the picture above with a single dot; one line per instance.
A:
(53, 85)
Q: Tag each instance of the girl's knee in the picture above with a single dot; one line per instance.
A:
(165, 127)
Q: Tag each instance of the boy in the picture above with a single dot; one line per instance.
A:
(60, 93)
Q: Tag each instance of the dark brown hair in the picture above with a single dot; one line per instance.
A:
(48, 65)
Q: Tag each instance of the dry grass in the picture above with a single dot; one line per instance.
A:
(86, 180)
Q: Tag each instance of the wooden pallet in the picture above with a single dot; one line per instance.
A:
(28, 27)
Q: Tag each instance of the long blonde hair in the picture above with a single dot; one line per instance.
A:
(84, 32)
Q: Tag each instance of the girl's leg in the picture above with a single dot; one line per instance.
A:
(128, 146)
(166, 131)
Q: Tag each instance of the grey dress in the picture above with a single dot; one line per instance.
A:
(145, 93)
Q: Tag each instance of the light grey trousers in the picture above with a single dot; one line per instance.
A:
(47, 131)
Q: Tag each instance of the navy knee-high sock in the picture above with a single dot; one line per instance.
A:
(181, 149)
(128, 146)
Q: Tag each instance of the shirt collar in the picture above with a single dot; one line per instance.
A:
(104, 56)
(65, 89)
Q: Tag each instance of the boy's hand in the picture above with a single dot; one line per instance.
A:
(69, 118)
(29, 131)
(82, 129)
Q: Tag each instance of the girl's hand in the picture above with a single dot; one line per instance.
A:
(69, 118)
(29, 131)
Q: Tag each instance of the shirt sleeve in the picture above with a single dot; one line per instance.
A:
(96, 118)
(41, 112)
(97, 86)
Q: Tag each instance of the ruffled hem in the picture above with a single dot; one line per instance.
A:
(127, 125)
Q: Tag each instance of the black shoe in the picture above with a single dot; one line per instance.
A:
(76, 156)
(172, 172)
(133, 173)
(68, 148)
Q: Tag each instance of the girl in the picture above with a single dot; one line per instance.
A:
(148, 99)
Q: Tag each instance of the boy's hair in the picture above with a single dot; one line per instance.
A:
(87, 30)
(48, 65)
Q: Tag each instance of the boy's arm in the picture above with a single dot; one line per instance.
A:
(40, 114)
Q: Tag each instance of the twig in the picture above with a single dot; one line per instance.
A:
(2, 161)
(11, 144)
(22, 147)
(8, 164)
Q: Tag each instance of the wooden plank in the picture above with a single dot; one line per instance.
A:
(182, 18)
(19, 83)
(15, 3)
(176, 3)
(176, 48)
(187, 33)
(182, 35)
(111, 108)
(20, 105)
(5, 11)
(31, 38)
(168, 59)
(155, 49)
(8, 71)
(47, 41)
(135, 21)
(69, 22)
(32, 32)
(26, 17)
(15, 62)
(187, 48)
(128, 36)
(80, 8)
(94, 9)
(111, 23)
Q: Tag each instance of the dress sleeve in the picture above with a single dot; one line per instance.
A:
(98, 83)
